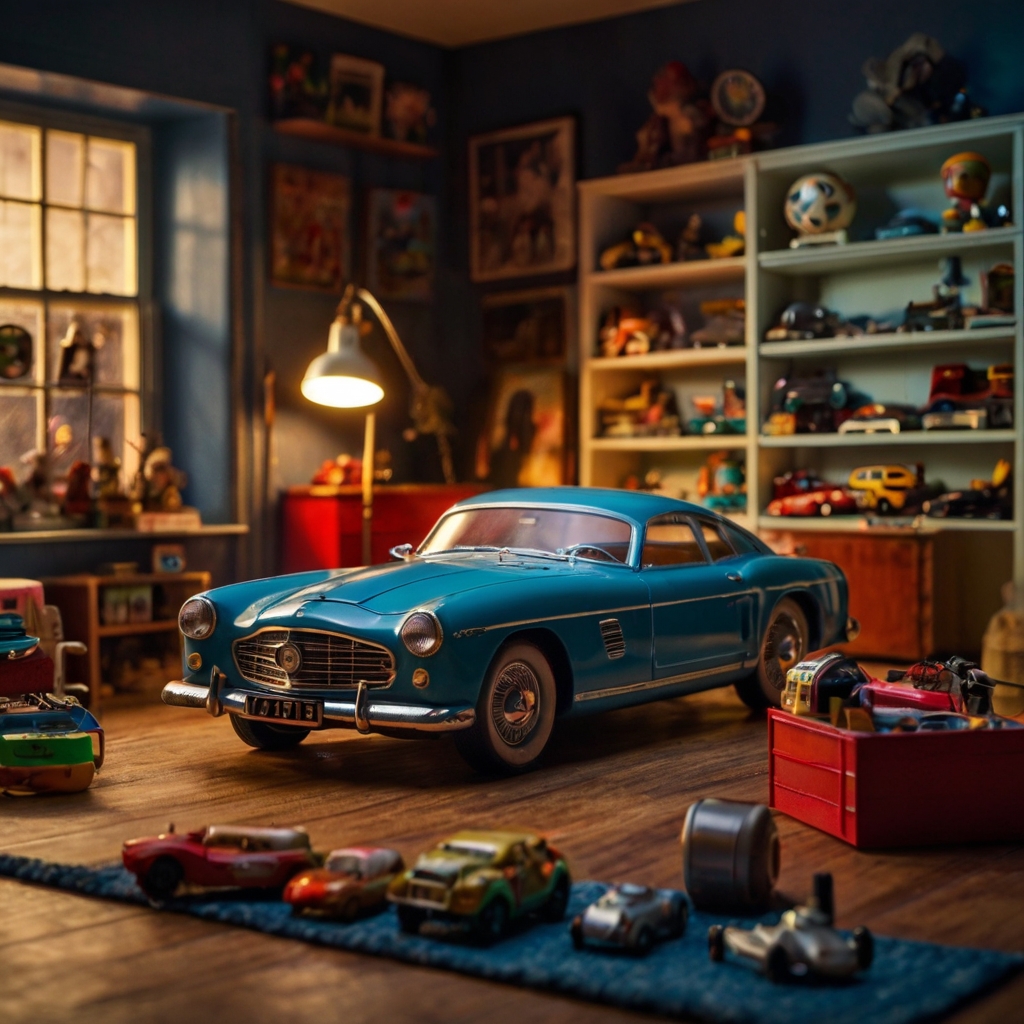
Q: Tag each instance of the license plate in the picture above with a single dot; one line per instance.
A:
(301, 712)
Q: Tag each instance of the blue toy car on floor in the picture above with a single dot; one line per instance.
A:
(520, 606)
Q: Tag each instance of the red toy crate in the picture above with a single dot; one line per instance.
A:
(898, 789)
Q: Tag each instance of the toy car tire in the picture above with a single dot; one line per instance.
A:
(264, 736)
(883, 506)
(644, 941)
(350, 911)
(716, 943)
(576, 931)
(554, 908)
(492, 922)
(493, 744)
(681, 919)
(824, 509)
(785, 644)
(864, 943)
(410, 919)
(162, 879)
(776, 965)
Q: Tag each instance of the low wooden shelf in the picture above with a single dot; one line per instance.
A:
(321, 131)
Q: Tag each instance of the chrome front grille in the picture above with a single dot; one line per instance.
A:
(427, 893)
(328, 659)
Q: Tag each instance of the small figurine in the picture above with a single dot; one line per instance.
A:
(944, 312)
(15, 352)
(722, 483)
(730, 245)
(689, 246)
(738, 99)
(352, 883)
(339, 472)
(996, 292)
(40, 498)
(631, 917)
(161, 484)
(78, 355)
(725, 323)
(479, 882)
(733, 416)
(218, 855)
(803, 943)
(408, 112)
(820, 207)
(78, 495)
(106, 468)
(965, 178)
(651, 412)
(645, 247)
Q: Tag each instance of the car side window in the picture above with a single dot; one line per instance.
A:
(741, 543)
(717, 544)
(670, 540)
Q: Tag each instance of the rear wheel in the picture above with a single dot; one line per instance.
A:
(864, 943)
(351, 910)
(554, 909)
(163, 878)
(576, 932)
(265, 736)
(716, 943)
(492, 922)
(679, 924)
(644, 941)
(776, 967)
(410, 919)
(785, 644)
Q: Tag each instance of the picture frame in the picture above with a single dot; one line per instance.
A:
(522, 200)
(525, 440)
(401, 244)
(311, 240)
(532, 326)
(355, 94)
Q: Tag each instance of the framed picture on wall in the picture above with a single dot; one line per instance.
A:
(356, 94)
(528, 326)
(401, 243)
(310, 244)
(522, 200)
(524, 442)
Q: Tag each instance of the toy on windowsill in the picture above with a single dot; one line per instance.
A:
(677, 130)
(962, 398)
(820, 208)
(965, 178)
(644, 247)
(632, 918)
(78, 355)
(651, 412)
(804, 944)
(159, 487)
(725, 323)
(732, 419)
(984, 499)
(352, 883)
(813, 404)
(479, 882)
(738, 99)
(722, 483)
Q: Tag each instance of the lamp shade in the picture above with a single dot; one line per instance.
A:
(343, 377)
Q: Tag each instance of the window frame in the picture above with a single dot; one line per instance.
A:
(680, 519)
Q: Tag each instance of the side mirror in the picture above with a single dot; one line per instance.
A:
(401, 552)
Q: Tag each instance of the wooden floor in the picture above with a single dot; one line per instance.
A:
(612, 795)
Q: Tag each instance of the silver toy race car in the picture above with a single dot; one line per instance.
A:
(631, 917)
(803, 943)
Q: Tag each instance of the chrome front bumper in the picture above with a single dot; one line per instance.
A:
(362, 713)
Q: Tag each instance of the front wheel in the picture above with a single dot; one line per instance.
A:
(864, 944)
(265, 736)
(410, 919)
(716, 943)
(514, 714)
(785, 644)
(776, 967)
(554, 908)
(163, 878)
(492, 922)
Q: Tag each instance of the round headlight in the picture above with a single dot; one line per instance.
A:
(197, 618)
(421, 634)
(289, 657)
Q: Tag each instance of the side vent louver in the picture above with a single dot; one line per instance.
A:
(614, 642)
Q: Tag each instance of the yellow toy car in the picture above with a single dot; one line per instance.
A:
(884, 488)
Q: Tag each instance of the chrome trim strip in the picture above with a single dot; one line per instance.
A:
(705, 597)
(477, 630)
(338, 713)
(654, 684)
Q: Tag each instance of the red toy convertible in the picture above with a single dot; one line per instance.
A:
(802, 493)
(217, 856)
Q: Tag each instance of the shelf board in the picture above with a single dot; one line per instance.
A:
(705, 179)
(685, 443)
(858, 524)
(321, 131)
(891, 343)
(907, 439)
(138, 628)
(671, 275)
(49, 536)
(673, 359)
(816, 260)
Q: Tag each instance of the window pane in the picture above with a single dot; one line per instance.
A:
(65, 250)
(112, 333)
(670, 541)
(718, 546)
(65, 162)
(20, 246)
(110, 176)
(110, 255)
(67, 430)
(19, 161)
(18, 425)
(14, 367)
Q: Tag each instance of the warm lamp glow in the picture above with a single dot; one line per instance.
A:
(342, 392)
(342, 377)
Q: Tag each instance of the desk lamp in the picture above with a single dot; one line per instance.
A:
(345, 378)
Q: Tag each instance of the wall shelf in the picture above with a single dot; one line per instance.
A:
(673, 359)
(858, 524)
(892, 344)
(671, 275)
(50, 536)
(910, 437)
(685, 443)
(321, 131)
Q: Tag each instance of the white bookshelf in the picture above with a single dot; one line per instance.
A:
(865, 276)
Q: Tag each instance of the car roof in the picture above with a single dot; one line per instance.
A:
(270, 838)
(500, 840)
(637, 506)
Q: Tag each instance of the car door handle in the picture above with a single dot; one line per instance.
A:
(734, 577)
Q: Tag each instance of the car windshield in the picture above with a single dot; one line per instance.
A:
(543, 531)
(344, 864)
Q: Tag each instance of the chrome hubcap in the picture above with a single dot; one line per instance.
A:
(783, 649)
(515, 703)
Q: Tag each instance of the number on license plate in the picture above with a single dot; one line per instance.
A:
(303, 712)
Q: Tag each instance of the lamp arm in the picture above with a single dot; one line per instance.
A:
(396, 342)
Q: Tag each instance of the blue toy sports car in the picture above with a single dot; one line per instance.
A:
(520, 606)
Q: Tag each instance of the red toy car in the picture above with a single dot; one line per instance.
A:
(352, 882)
(801, 493)
(218, 855)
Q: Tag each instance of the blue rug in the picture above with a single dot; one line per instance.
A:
(909, 981)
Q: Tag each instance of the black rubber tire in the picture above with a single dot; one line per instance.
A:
(264, 736)
(864, 943)
(644, 941)
(492, 922)
(350, 912)
(410, 919)
(555, 907)
(682, 919)
(163, 878)
(883, 507)
(763, 687)
(716, 943)
(576, 932)
(776, 966)
(482, 745)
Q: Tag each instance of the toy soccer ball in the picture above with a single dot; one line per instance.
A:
(821, 202)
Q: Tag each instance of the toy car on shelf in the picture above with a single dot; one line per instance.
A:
(984, 499)
(829, 500)
(479, 882)
(725, 323)
(807, 321)
(885, 489)
(353, 881)
(488, 629)
(962, 398)
(810, 404)
(631, 917)
(218, 856)
(804, 943)
(882, 418)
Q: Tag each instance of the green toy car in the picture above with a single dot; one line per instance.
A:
(481, 881)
